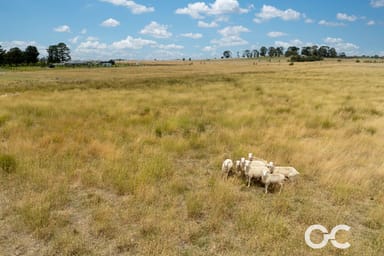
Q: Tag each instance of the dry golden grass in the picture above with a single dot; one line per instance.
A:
(126, 160)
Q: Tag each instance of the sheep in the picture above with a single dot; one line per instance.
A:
(254, 171)
(270, 165)
(227, 167)
(250, 156)
(287, 171)
(267, 178)
(239, 168)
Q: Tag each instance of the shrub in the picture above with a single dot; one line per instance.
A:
(303, 58)
(7, 163)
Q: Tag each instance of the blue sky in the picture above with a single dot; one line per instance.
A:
(148, 29)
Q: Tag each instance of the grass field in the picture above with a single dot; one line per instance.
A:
(126, 160)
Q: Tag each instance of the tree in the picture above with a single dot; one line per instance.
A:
(247, 54)
(263, 51)
(306, 50)
(255, 54)
(279, 51)
(227, 54)
(14, 56)
(2, 56)
(58, 53)
(272, 51)
(314, 50)
(323, 51)
(292, 51)
(30, 55)
(332, 53)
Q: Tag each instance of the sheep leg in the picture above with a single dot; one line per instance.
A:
(266, 188)
(281, 187)
(249, 181)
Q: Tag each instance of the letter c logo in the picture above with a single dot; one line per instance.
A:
(326, 236)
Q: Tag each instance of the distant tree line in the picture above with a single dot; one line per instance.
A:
(30, 56)
(15, 56)
(307, 52)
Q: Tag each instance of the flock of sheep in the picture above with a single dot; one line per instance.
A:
(261, 170)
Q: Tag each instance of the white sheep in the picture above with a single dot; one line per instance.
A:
(250, 156)
(267, 178)
(254, 171)
(287, 171)
(227, 167)
(239, 168)
(270, 165)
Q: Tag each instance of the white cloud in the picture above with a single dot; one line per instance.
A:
(229, 41)
(203, 24)
(233, 31)
(156, 30)
(165, 54)
(74, 40)
(209, 49)
(344, 16)
(169, 46)
(276, 34)
(333, 40)
(194, 10)
(83, 31)
(110, 23)
(377, 3)
(331, 24)
(341, 46)
(16, 43)
(63, 29)
(295, 42)
(192, 35)
(134, 7)
(231, 36)
(132, 43)
(270, 12)
(220, 7)
(371, 23)
(92, 38)
(308, 20)
(91, 45)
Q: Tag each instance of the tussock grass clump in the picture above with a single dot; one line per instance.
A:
(4, 119)
(137, 172)
(7, 163)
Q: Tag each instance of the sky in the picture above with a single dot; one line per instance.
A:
(197, 29)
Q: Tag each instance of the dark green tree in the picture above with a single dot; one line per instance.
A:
(14, 56)
(255, 54)
(272, 51)
(279, 51)
(292, 51)
(323, 51)
(306, 50)
(2, 55)
(332, 53)
(31, 55)
(58, 53)
(314, 50)
(227, 54)
(247, 54)
(263, 51)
